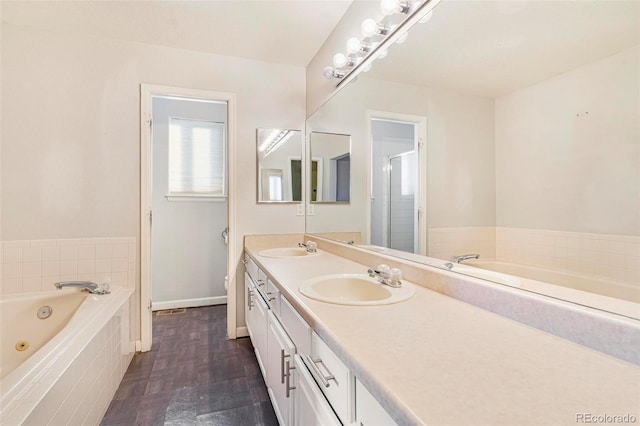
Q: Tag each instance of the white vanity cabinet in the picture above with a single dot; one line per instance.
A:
(307, 383)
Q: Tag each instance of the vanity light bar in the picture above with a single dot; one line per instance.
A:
(282, 137)
(416, 12)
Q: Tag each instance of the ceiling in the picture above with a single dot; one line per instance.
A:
(491, 48)
(286, 32)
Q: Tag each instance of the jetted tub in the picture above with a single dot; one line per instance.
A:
(23, 332)
(63, 369)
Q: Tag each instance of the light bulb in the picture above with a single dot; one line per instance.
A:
(402, 38)
(368, 28)
(353, 45)
(383, 54)
(388, 7)
(367, 68)
(426, 17)
(340, 60)
(328, 73)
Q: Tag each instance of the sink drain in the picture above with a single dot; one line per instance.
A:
(45, 311)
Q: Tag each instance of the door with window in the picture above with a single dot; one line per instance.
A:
(189, 203)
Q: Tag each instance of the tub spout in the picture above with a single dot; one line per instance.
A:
(462, 258)
(89, 286)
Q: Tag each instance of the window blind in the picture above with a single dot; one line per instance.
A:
(197, 151)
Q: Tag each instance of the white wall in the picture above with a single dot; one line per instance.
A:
(460, 152)
(71, 131)
(188, 254)
(568, 150)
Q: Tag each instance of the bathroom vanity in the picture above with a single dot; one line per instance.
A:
(430, 359)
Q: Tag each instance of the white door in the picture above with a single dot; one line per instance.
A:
(189, 205)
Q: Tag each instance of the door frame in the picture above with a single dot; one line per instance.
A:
(420, 137)
(147, 93)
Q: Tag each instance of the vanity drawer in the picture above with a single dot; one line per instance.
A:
(272, 296)
(296, 327)
(252, 268)
(332, 376)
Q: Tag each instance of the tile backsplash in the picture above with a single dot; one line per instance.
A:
(444, 243)
(35, 265)
(613, 257)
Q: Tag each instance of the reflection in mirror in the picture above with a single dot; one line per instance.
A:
(531, 147)
(279, 157)
(330, 169)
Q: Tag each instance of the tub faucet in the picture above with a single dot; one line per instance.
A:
(310, 246)
(387, 276)
(92, 288)
(462, 258)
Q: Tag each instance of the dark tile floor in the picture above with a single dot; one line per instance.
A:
(193, 375)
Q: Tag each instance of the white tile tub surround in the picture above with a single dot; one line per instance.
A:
(444, 243)
(615, 257)
(35, 265)
(77, 384)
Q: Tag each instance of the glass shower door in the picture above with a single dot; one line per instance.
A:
(402, 218)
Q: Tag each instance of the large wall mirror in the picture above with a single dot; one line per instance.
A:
(279, 157)
(508, 130)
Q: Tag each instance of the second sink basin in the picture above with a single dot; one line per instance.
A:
(287, 252)
(353, 289)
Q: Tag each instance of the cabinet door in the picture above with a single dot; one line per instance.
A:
(368, 410)
(249, 313)
(311, 407)
(260, 326)
(280, 371)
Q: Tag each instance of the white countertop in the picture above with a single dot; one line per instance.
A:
(436, 360)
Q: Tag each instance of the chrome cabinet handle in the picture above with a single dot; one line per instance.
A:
(260, 283)
(249, 299)
(282, 357)
(315, 370)
(288, 376)
(269, 298)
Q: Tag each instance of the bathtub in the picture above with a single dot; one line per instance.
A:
(63, 369)
(600, 293)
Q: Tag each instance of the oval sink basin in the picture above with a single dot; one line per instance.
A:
(353, 289)
(287, 252)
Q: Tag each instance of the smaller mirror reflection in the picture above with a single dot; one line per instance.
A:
(330, 168)
(279, 156)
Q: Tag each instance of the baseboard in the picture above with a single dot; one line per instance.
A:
(242, 332)
(188, 303)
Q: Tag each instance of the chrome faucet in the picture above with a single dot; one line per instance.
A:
(387, 276)
(310, 246)
(89, 286)
(462, 258)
